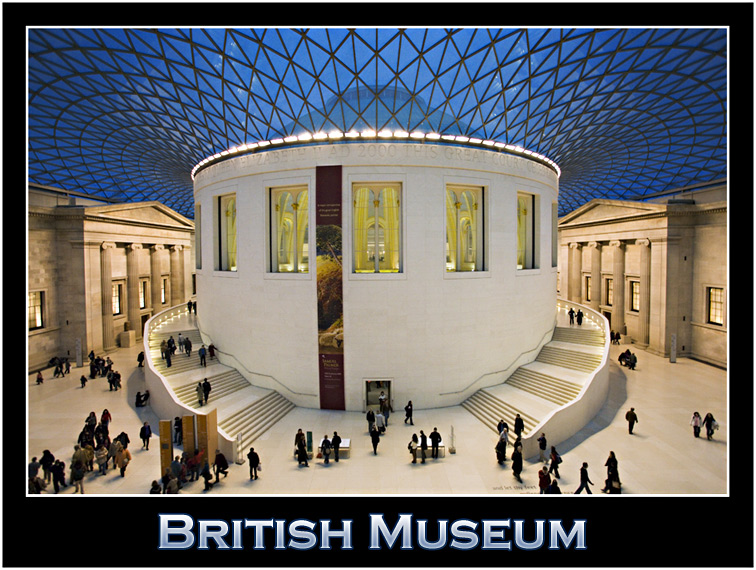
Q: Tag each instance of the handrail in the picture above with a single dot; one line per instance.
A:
(517, 358)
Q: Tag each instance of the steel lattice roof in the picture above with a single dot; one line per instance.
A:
(126, 114)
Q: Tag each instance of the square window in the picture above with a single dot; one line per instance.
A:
(36, 302)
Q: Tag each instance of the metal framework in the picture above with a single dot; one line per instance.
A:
(127, 113)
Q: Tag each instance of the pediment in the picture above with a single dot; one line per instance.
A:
(610, 210)
(153, 213)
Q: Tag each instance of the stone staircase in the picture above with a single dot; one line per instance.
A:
(255, 418)
(242, 407)
(553, 380)
(229, 382)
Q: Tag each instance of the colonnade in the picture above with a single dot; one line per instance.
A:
(598, 294)
(175, 294)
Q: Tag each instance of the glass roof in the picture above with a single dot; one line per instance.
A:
(126, 114)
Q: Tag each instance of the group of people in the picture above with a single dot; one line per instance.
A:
(707, 421)
(189, 467)
(203, 391)
(421, 443)
(330, 445)
(168, 348)
(62, 366)
(628, 359)
(615, 337)
(575, 316)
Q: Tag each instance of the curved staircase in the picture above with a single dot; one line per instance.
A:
(242, 407)
(553, 380)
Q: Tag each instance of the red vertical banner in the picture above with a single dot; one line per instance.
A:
(330, 277)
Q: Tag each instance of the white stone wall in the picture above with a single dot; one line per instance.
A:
(438, 336)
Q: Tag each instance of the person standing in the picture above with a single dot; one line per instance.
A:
(408, 413)
(584, 480)
(542, 448)
(435, 438)
(423, 445)
(101, 456)
(696, 422)
(370, 417)
(302, 451)
(140, 360)
(519, 425)
(544, 480)
(412, 446)
(46, 462)
(202, 352)
(58, 475)
(254, 463)
(325, 447)
(145, 434)
(711, 424)
(336, 443)
(632, 419)
(579, 317)
(554, 488)
(163, 348)
(188, 347)
(167, 358)
(571, 313)
(375, 437)
(40, 378)
(501, 451)
(612, 474)
(380, 422)
(77, 477)
(178, 434)
(180, 342)
(123, 458)
(200, 393)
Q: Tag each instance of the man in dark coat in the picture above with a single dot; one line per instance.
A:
(423, 445)
(254, 462)
(336, 443)
(435, 438)
(206, 389)
(221, 465)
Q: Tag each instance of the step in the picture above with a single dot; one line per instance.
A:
(574, 360)
(547, 387)
(492, 409)
(589, 337)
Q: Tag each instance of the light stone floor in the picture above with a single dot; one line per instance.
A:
(661, 457)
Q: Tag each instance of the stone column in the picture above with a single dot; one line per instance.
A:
(177, 275)
(644, 313)
(574, 285)
(618, 286)
(106, 286)
(595, 249)
(132, 287)
(156, 278)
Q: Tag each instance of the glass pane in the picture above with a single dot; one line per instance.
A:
(388, 245)
(303, 253)
(364, 219)
(451, 231)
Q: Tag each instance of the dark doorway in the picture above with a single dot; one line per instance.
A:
(373, 389)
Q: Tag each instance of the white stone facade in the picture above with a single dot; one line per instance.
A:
(78, 249)
(436, 335)
(673, 250)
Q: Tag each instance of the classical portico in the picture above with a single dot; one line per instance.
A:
(651, 269)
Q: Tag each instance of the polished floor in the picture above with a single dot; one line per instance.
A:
(661, 458)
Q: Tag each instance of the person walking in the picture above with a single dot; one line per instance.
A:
(556, 459)
(101, 456)
(370, 417)
(542, 448)
(40, 378)
(412, 446)
(554, 488)
(220, 465)
(696, 421)
(200, 393)
(180, 342)
(435, 438)
(202, 353)
(254, 463)
(579, 317)
(58, 475)
(517, 462)
(571, 313)
(711, 425)
(336, 443)
(163, 348)
(46, 462)
(206, 387)
(302, 451)
(612, 483)
(123, 458)
(584, 480)
(380, 422)
(408, 413)
(375, 437)
(423, 445)
(178, 434)
(501, 451)
(140, 360)
(632, 419)
(188, 347)
(544, 480)
(145, 434)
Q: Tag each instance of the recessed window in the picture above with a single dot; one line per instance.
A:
(465, 239)
(587, 287)
(289, 230)
(197, 236)
(163, 291)
(36, 310)
(227, 233)
(554, 234)
(635, 296)
(377, 228)
(142, 294)
(715, 302)
(609, 292)
(526, 258)
(117, 298)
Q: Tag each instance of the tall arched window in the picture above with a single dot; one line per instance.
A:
(377, 224)
(464, 229)
(289, 236)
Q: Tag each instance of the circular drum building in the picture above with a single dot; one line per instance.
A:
(334, 267)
